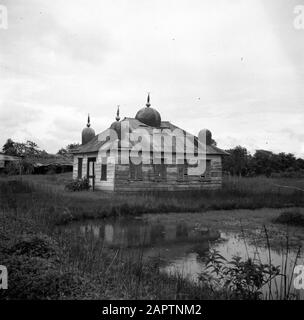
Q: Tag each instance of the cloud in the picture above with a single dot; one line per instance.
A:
(234, 67)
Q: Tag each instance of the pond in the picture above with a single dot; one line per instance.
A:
(180, 245)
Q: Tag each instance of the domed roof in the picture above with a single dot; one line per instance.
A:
(205, 136)
(87, 133)
(116, 126)
(149, 116)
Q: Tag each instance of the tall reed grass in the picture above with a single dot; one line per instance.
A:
(237, 193)
(83, 268)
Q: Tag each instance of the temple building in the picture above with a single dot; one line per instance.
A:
(145, 154)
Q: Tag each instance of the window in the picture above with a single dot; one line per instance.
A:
(79, 168)
(103, 172)
(135, 171)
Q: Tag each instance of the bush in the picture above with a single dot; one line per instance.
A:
(241, 279)
(35, 271)
(294, 217)
(37, 278)
(291, 173)
(14, 167)
(78, 185)
(35, 246)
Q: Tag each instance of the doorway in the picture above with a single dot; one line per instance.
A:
(91, 172)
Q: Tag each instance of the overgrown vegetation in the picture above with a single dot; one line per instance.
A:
(237, 193)
(33, 160)
(250, 278)
(241, 279)
(263, 162)
(294, 217)
(60, 265)
(46, 264)
(78, 185)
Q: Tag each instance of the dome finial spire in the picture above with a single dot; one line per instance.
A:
(88, 124)
(148, 100)
(117, 114)
(87, 133)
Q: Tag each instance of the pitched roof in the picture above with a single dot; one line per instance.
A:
(95, 144)
(51, 160)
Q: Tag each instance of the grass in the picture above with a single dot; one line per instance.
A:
(291, 217)
(237, 193)
(46, 264)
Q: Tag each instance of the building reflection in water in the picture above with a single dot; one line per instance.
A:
(137, 233)
(109, 233)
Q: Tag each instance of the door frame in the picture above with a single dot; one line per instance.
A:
(93, 160)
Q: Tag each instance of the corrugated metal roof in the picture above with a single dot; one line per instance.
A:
(157, 145)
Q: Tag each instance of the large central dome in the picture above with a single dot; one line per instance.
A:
(148, 115)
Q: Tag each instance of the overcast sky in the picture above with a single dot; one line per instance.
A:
(235, 67)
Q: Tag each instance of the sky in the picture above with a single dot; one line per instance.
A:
(235, 67)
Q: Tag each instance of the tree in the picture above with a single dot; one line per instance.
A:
(236, 163)
(300, 163)
(9, 148)
(213, 142)
(27, 149)
(68, 149)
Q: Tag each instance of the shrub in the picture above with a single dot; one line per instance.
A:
(35, 271)
(294, 217)
(12, 168)
(37, 278)
(16, 167)
(78, 185)
(35, 246)
(289, 173)
(241, 279)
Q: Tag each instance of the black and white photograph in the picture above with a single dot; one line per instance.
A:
(151, 150)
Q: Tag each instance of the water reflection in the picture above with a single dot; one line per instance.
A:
(130, 233)
(180, 245)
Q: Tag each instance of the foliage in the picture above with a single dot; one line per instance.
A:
(294, 217)
(78, 185)
(237, 161)
(241, 279)
(68, 149)
(44, 264)
(240, 162)
(35, 246)
(237, 193)
(34, 272)
(24, 149)
(23, 166)
(66, 264)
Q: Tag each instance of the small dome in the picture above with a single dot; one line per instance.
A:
(205, 136)
(116, 126)
(87, 133)
(208, 135)
(149, 116)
